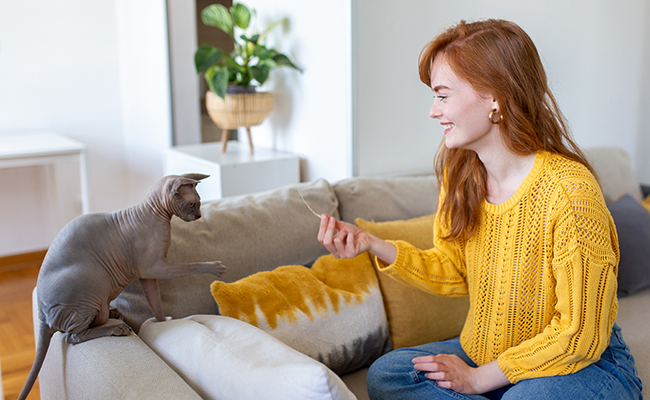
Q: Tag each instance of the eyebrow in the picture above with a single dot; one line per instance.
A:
(437, 88)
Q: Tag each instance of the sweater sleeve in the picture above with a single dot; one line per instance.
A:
(584, 267)
(439, 270)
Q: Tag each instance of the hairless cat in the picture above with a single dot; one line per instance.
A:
(95, 256)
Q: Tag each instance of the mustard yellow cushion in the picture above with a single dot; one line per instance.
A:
(415, 317)
(332, 312)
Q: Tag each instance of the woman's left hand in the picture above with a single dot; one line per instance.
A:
(451, 372)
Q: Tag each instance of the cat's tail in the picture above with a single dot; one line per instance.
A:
(44, 338)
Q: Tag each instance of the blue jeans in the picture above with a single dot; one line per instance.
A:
(614, 376)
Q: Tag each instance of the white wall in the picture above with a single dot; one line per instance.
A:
(185, 97)
(88, 70)
(596, 53)
(98, 71)
(58, 71)
(312, 113)
(143, 54)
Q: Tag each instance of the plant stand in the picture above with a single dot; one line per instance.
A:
(238, 110)
(225, 135)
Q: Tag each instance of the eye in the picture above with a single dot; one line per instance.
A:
(192, 205)
(441, 97)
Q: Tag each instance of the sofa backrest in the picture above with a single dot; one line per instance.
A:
(386, 199)
(614, 169)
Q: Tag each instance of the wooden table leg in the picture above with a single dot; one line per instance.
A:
(225, 134)
(250, 138)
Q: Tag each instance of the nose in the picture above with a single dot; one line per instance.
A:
(434, 111)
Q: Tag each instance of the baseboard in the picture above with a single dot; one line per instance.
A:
(23, 260)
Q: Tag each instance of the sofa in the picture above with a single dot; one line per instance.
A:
(287, 320)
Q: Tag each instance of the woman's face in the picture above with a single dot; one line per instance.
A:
(461, 110)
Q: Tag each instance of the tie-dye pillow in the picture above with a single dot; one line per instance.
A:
(332, 312)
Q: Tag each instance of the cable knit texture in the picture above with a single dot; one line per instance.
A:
(540, 272)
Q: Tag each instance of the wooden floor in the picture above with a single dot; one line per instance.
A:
(17, 280)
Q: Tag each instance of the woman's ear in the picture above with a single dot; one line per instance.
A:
(495, 104)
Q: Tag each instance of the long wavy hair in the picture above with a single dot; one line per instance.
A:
(496, 57)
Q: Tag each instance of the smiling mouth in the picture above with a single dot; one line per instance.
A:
(449, 127)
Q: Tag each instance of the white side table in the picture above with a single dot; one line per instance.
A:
(22, 149)
(235, 172)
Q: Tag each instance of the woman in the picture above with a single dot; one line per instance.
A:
(522, 228)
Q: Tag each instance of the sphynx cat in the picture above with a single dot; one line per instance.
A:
(95, 256)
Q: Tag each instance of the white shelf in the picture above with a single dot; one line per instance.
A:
(234, 172)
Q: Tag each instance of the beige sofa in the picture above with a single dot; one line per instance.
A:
(197, 354)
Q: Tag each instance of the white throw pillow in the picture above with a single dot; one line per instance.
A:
(224, 358)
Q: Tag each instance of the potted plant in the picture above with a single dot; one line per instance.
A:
(232, 100)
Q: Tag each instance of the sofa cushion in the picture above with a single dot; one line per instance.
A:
(386, 199)
(632, 222)
(646, 203)
(248, 234)
(223, 358)
(332, 312)
(616, 178)
(415, 317)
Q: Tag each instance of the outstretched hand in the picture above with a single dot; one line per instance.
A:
(345, 240)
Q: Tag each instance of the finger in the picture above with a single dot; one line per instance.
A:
(323, 227)
(328, 237)
(351, 245)
(339, 243)
(328, 234)
(423, 359)
(438, 376)
(430, 367)
(445, 384)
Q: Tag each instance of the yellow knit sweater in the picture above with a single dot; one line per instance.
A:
(540, 272)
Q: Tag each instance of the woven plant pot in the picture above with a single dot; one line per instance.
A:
(238, 109)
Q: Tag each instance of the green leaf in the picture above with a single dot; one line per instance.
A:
(217, 15)
(232, 74)
(284, 61)
(263, 53)
(232, 63)
(241, 15)
(217, 80)
(260, 72)
(209, 74)
(253, 39)
(205, 57)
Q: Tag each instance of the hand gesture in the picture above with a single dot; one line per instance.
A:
(343, 240)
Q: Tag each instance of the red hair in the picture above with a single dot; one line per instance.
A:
(499, 58)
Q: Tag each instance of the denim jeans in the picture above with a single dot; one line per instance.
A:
(614, 376)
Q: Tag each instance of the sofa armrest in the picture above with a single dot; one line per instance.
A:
(112, 367)
(109, 368)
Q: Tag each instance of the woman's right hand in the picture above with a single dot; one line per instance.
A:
(345, 240)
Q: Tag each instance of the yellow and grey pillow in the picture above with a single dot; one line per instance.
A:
(332, 312)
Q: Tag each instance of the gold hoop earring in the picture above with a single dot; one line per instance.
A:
(492, 121)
